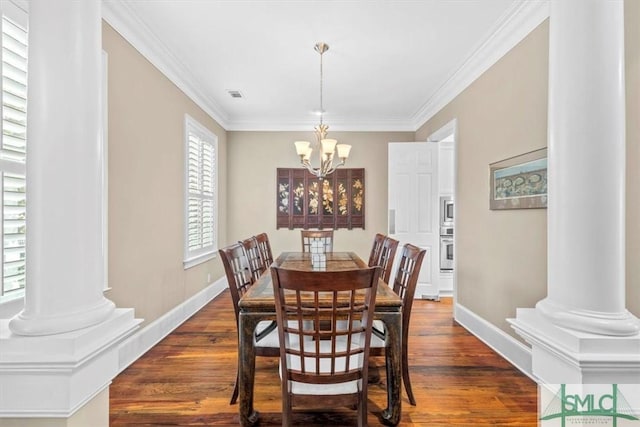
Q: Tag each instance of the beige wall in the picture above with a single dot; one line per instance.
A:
(252, 160)
(501, 255)
(632, 60)
(146, 137)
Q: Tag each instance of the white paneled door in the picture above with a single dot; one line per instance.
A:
(413, 206)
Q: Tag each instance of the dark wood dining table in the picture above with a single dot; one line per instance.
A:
(258, 304)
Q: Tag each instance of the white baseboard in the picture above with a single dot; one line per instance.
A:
(515, 352)
(139, 343)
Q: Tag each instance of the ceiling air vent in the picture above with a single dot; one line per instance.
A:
(235, 94)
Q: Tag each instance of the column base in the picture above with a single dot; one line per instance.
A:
(566, 356)
(55, 375)
(26, 325)
(609, 324)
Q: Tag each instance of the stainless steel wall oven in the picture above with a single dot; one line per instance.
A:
(446, 233)
(446, 253)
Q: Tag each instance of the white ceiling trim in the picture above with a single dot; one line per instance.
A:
(515, 25)
(399, 126)
(125, 21)
(334, 126)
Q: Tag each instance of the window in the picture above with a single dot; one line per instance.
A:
(201, 193)
(13, 140)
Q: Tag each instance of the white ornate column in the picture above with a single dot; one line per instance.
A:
(64, 170)
(581, 332)
(61, 351)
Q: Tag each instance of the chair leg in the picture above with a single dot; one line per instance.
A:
(286, 414)
(405, 377)
(362, 410)
(234, 396)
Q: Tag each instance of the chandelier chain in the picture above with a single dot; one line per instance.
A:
(321, 85)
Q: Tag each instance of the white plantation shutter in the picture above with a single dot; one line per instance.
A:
(13, 149)
(201, 193)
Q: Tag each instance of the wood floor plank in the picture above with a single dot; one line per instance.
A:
(187, 379)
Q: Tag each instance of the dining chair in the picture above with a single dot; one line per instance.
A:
(324, 367)
(255, 261)
(324, 237)
(386, 255)
(265, 248)
(374, 255)
(240, 280)
(404, 285)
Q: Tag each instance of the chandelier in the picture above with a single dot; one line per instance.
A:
(327, 148)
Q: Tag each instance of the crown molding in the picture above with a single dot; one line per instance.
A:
(514, 26)
(126, 22)
(334, 126)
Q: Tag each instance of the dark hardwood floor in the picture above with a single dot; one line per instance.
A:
(187, 379)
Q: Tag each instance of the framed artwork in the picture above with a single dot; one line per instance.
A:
(304, 201)
(519, 182)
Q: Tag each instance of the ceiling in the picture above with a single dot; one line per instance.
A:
(390, 65)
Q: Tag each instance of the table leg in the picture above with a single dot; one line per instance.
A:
(393, 356)
(246, 368)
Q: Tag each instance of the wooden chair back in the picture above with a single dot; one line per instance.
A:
(374, 255)
(325, 237)
(382, 254)
(404, 285)
(265, 248)
(387, 255)
(256, 263)
(237, 271)
(240, 279)
(320, 366)
(406, 280)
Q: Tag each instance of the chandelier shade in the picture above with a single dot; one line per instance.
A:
(327, 148)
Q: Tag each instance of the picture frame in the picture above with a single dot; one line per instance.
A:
(519, 182)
